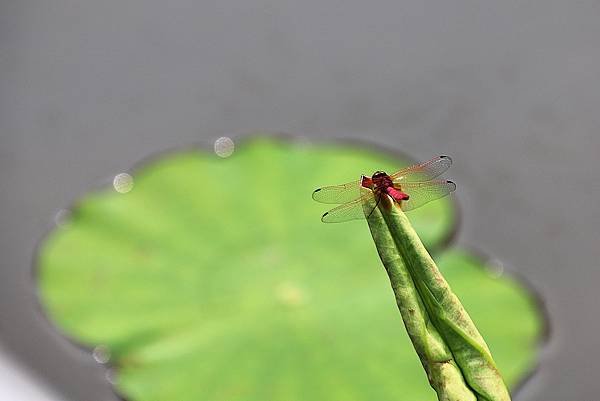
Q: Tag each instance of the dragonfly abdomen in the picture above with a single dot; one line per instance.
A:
(397, 195)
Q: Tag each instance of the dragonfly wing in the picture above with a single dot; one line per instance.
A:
(348, 211)
(423, 172)
(338, 193)
(421, 193)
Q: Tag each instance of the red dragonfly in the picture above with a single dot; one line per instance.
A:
(410, 187)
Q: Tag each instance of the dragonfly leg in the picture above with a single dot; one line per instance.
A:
(376, 204)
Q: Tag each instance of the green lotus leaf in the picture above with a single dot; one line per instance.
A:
(214, 279)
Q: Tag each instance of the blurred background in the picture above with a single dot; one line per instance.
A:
(509, 89)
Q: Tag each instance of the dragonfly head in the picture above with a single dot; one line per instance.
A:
(379, 174)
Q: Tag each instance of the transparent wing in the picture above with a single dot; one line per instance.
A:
(423, 172)
(338, 193)
(348, 211)
(421, 193)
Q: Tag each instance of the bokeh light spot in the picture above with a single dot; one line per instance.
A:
(224, 147)
(101, 354)
(61, 218)
(123, 183)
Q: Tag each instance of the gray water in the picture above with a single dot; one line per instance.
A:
(510, 89)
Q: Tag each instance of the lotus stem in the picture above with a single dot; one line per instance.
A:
(456, 359)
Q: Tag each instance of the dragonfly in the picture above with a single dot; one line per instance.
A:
(410, 188)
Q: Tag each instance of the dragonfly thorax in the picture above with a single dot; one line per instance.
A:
(381, 180)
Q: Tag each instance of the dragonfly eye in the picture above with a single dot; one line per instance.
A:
(379, 174)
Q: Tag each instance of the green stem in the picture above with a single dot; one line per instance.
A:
(455, 357)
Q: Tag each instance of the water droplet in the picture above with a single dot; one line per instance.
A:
(123, 183)
(495, 268)
(101, 354)
(224, 147)
(62, 217)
